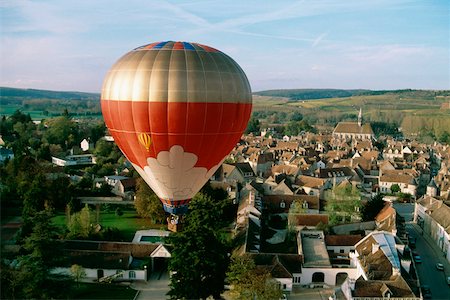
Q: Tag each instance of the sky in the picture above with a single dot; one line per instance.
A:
(347, 44)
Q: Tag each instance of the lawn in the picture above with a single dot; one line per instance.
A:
(103, 291)
(128, 223)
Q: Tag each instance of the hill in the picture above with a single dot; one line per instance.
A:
(309, 94)
(41, 104)
(416, 112)
(7, 94)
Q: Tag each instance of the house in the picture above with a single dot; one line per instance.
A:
(317, 268)
(433, 216)
(74, 160)
(261, 162)
(112, 261)
(124, 187)
(386, 219)
(344, 243)
(307, 220)
(236, 173)
(86, 145)
(381, 264)
(405, 179)
(313, 185)
(282, 203)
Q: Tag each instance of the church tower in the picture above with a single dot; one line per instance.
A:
(360, 117)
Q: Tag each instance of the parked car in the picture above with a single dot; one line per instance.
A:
(418, 259)
(426, 291)
(440, 267)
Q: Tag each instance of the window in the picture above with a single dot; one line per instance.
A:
(119, 274)
(132, 275)
(341, 251)
(296, 279)
(282, 204)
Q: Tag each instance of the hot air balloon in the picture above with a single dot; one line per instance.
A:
(176, 109)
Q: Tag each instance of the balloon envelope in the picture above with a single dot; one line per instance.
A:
(176, 109)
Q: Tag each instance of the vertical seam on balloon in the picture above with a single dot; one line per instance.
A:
(167, 103)
(128, 98)
(149, 104)
(144, 152)
(150, 100)
(187, 98)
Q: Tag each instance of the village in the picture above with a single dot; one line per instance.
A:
(326, 214)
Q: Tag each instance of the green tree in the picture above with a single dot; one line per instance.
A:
(371, 209)
(343, 204)
(78, 273)
(81, 223)
(199, 256)
(147, 204)
(42, 252)
(61, 131)
(253, 126)
(250, 282)
(395, 188)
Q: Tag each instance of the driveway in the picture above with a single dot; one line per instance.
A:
(155, 288)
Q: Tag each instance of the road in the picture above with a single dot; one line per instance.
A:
(428, 274)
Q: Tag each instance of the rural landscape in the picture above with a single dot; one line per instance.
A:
(47, 207)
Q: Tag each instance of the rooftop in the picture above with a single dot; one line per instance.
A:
(313, 249)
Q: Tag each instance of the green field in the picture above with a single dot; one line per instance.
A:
(127, 224)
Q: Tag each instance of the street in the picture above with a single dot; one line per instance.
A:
(430, 254)
(427, 271)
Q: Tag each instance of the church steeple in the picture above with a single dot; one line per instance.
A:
(360, 117)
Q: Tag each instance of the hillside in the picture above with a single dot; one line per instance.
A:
(309, 94)
(41, 104)
(7, 94)
(416, 112)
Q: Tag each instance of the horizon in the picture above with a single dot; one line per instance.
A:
(373, 45)
(253, 92)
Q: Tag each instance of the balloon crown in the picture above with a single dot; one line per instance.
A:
(171, 45)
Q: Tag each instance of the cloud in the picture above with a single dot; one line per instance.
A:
(173, 175)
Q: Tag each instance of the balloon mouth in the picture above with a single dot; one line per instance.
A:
(175, 207)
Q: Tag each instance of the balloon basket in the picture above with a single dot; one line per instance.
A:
(174, 223)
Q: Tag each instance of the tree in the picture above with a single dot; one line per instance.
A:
(200, 254)
(80, 223)
(371, 209)
(42, 252)
(395, 188)
(253, 126)
(61, 131)
(78, 273)
(250, 282)
(343, 204)
(147, 204)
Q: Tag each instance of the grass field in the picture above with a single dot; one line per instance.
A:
(9, 109)
(128, 223)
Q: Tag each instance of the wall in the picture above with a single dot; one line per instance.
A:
(330, 274)
(91, 274)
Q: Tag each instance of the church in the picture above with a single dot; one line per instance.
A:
(354, 130)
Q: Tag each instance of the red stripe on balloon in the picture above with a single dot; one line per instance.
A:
(209, 130)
